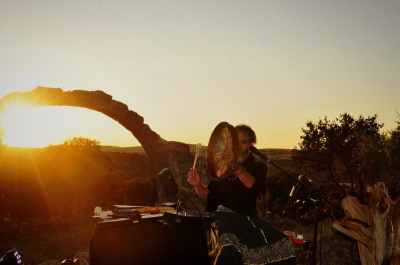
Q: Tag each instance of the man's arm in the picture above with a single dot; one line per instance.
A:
(245, 177)
(202, 191)
(195, 181)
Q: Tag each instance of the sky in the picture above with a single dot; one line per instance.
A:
(186, 66)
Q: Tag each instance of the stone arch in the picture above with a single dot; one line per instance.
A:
(161, 153)
(156, 148)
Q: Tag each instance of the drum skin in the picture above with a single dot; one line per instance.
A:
(223, 137)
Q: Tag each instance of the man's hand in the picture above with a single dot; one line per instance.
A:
(193, 177)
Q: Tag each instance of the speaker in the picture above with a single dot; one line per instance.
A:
(167, 183)
(300, 191)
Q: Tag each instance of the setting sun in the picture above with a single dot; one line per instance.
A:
(35, 126)
(38, 127)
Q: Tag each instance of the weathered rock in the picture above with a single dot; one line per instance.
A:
(375, 226)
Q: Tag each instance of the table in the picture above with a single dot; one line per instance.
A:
(150, 242)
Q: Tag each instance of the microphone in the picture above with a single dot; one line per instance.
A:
(255, 151)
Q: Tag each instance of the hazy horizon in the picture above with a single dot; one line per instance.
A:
(186, 66)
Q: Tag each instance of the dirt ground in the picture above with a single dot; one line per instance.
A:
(59, 239)
(42, 240)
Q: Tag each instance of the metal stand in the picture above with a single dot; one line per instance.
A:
(313, 248)
(317, 203)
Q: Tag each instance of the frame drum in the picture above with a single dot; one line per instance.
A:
(222, 138)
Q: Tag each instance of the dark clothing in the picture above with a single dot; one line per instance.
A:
(239, 239)
(234, 195)
(238, 235)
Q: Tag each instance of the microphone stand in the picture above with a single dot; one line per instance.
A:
(317, 212)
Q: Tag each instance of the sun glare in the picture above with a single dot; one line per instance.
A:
(32, 127)
(41, 126)
(24, 125)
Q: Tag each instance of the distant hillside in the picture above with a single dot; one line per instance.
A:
(272, 153)
(130, 149)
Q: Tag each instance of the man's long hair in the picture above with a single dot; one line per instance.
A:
(247, 130)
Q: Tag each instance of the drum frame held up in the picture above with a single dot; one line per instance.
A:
(223, 137)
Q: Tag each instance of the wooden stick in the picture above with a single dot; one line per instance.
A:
(198, 149)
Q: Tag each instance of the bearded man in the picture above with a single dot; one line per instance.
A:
(239, 236)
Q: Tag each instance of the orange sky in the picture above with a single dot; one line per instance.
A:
(186, 66)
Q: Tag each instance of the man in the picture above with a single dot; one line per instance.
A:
(240, 237)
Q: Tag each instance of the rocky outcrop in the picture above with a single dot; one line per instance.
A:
(152, 143)
(161, 153)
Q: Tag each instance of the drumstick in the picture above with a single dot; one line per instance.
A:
(198, 149)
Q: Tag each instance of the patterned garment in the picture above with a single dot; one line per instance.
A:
(240, 239)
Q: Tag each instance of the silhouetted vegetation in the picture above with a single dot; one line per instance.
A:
(350, 153)
(71, 178)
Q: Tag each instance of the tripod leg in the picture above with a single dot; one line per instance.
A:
(313, 248)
